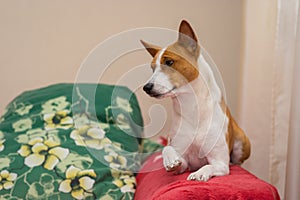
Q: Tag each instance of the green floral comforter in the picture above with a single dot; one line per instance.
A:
(70, 141)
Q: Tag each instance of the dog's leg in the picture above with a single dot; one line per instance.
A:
(218, 165)
(215, 168)
(241, 150)
(173, 162)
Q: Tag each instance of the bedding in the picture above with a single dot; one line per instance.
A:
(153, 182)
(70, 141)
(81, 141)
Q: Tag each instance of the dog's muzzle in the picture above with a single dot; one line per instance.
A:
(148, 88)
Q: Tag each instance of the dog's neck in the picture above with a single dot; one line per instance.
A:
(201, 92)
(195, 105)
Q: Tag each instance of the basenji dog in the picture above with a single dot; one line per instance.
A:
(204, 137)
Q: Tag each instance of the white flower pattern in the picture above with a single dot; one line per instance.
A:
(39, 151)
(54, 105)
(7, 179)
(2, 140)
(89, 136)
(78, 182)
(42, 128)
(23, 110)
(22, 125)
(124, 104)
(59, 119)
(124, 180)
(115, 160)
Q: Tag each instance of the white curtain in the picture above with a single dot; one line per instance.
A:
(284, 65)
(293, 162)
(270, 52)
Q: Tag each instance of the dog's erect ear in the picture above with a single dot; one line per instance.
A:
(152, 49)
(187, 37)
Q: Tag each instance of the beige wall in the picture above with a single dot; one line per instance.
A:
(256, 94)
(44, 42)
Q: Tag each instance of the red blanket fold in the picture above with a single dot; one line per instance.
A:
(155, 183)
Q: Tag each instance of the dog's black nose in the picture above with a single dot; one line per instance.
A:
(148, 87)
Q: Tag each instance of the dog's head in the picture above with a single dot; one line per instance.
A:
(174, 65)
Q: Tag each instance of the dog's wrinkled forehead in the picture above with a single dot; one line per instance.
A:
(179, 60)
(170, 60)
(157, 60)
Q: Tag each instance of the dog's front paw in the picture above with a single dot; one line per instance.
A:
(173, 166)
(218, 168)
(203, 174)
(172, 161)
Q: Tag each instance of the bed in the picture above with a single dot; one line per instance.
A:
(83, 141)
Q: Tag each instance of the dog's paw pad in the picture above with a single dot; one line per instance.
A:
(173, 166)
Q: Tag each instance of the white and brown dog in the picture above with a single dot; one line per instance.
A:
(204, 138)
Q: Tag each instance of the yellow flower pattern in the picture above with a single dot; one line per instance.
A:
(78, 182)
(125, 181)
(7, 180)
(124, 104)
(56, 104)
(122, 122)
(23, 110)
(22, 125)
(2, 145)
(60, 119)
(115, 160)
(2, 140)
(39, 151)
(54, 146)
(89, 136)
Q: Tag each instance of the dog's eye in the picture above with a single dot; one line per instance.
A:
(169, 62)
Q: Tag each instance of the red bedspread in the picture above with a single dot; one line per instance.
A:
(155, 183)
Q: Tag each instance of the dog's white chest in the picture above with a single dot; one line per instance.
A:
(194, 158)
